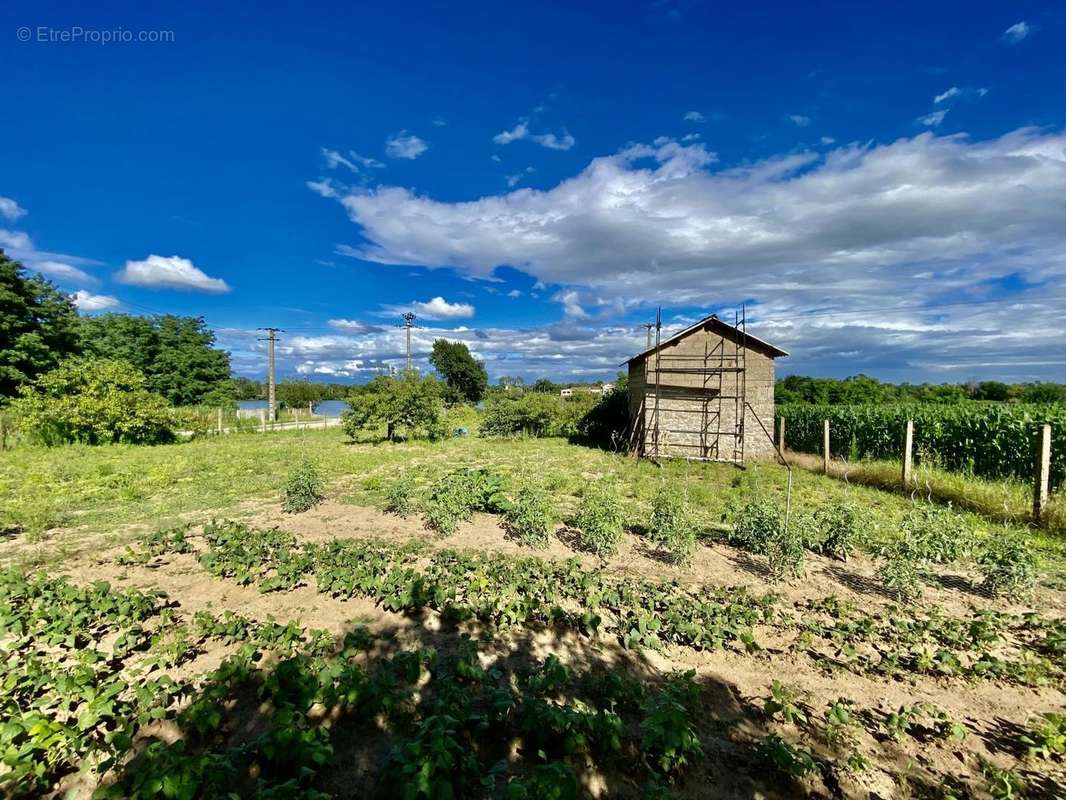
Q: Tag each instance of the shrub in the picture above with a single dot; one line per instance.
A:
(755, 523)
(601, 519)
(456, 495)
(672, 525)
(938, 534)
(840, 527)
(399, 497)
(303, 488)
(604, 425)
(533, 414)
(93, 401)
(903, 571)
(1008, 566)
(531, 516)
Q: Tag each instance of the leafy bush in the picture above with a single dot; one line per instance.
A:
(601, 519)
(605, 424)
(533, 414)
(755, 523)
(672, 525)
(458, 494)
(531, 516)
(399, 497)
(93, 402)
(904, 570)
(840, 526)
(938, 535)
(759, 526)
(1008, 566)
(303, 488)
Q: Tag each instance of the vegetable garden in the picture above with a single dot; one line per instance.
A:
(470, 619)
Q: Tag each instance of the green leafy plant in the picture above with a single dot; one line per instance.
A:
(303, 488)
(786, 758)
(667, 733)
(937, 535)
(531, 516)
(786, 703)
(903, 571)
(1008, 566)
(458, 494)
(601, 519)
(672, 525)
(1046, 738)
(841, 527)
(1002, 783)
(755, 524)
(399, 496)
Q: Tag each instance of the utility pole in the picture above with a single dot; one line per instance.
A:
(271, 339)
(649, 327)
(408, 323)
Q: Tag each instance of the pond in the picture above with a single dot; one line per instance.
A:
(326, 408)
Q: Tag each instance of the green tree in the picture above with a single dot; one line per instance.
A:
(176, 354)
(297, 394)
(411, 404)
(545, 386)
(38, 326)
(991, 390)
(93, 401)
(463, 373)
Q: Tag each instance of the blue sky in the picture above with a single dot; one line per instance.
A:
(886, 192)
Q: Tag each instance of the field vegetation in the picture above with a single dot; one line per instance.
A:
(510, 617)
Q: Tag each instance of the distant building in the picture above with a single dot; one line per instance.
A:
(705, 393)
(601, 389)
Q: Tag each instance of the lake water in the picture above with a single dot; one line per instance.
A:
(327, 408)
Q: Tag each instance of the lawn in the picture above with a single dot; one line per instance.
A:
(169, 631)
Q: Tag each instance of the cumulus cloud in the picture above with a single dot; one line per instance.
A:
(828, 140)
(437, 308)
(405, 145)
(521, 131)
(15, 240)
(693, 116)
(62, 268)
(1016, 32)
(933, 119)
(799, 120)
(10, 210)
(170, 272)
(94, 302)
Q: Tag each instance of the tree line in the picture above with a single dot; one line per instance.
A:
(862, 389)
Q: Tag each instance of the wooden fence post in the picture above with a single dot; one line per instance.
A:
(296, 416)
(781, 434)
(262, 420)
(1043, 473)
(908, 448)
(3, 434)
(220, 420)
(825, 447)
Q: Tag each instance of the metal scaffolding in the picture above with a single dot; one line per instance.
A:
(701, 400)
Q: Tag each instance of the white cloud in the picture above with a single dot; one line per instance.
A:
(10, 210)
(954, 91)
(62, 272)
(173, 272)
(440, 122)
(521, 131)
(933, 119)
(353, 326)
(828, 140)
(437, 308)
(693, 116)
(926, 219)
(353, 161)
(324, 187)
(405, 145)
(1016, 32)
(15, 240)
(514, 294)
(799, 120)
(94, 302)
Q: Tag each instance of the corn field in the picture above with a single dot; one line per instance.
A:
(986, 440)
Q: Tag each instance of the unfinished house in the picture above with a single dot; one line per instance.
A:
(705, 393)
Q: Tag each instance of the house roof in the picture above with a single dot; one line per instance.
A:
(712, 322)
